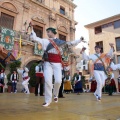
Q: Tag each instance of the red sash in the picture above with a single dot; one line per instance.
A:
(25, 78)
(39, 74)
(58, 57)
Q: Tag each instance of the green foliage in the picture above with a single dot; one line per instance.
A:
(9, 83)
(12, 66)
(1, 66)
(32, 75)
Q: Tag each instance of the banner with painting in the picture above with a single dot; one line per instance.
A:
(7, 38)
(38, 49)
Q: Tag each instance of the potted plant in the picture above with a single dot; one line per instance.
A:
(12, 66)
(9, 83)
(32, 80)
(83, 81)
(72, 82)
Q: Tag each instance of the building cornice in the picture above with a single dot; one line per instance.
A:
(65, 17)
(41, 4)
(104, 21)
(49, 9)
(71, 3)
(9, 9)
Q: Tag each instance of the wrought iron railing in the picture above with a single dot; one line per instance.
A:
(23, 35)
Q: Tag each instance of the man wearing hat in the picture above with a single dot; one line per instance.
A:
(39, 78)
(52, 62)
(98, 70)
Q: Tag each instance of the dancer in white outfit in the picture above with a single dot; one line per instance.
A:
(52, 64)
(26, 78)
(98, 69)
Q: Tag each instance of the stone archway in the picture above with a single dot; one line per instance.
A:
(28, 64)
(9, 6)
(30, 59)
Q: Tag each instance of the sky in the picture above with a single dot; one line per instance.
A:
(89, 11)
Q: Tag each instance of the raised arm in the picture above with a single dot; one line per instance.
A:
(84, 55)
(115, 66)
(75, 42)
(110, 53)
(34, 37)
(26, 69)
(20, 71)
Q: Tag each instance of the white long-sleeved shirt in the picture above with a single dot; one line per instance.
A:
(37, 69)
(78, 79)
(15, 77)
(115, 66)
(45, 43)
(2, 75)
(67, 79)
(25, 74)
(93, 57)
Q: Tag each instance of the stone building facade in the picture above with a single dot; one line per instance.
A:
(17, 14)
(104, 32)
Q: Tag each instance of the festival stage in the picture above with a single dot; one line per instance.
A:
(74, 107)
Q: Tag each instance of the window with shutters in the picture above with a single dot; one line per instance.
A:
(117, 24)
(117, 43)
(98, 29)
(38, 30)
(62, 10)
(62, 37)
(118, 59)
(7, 21)
(41, 1)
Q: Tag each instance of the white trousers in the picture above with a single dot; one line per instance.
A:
(51, 69)
(25, 85)
(100, 78)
